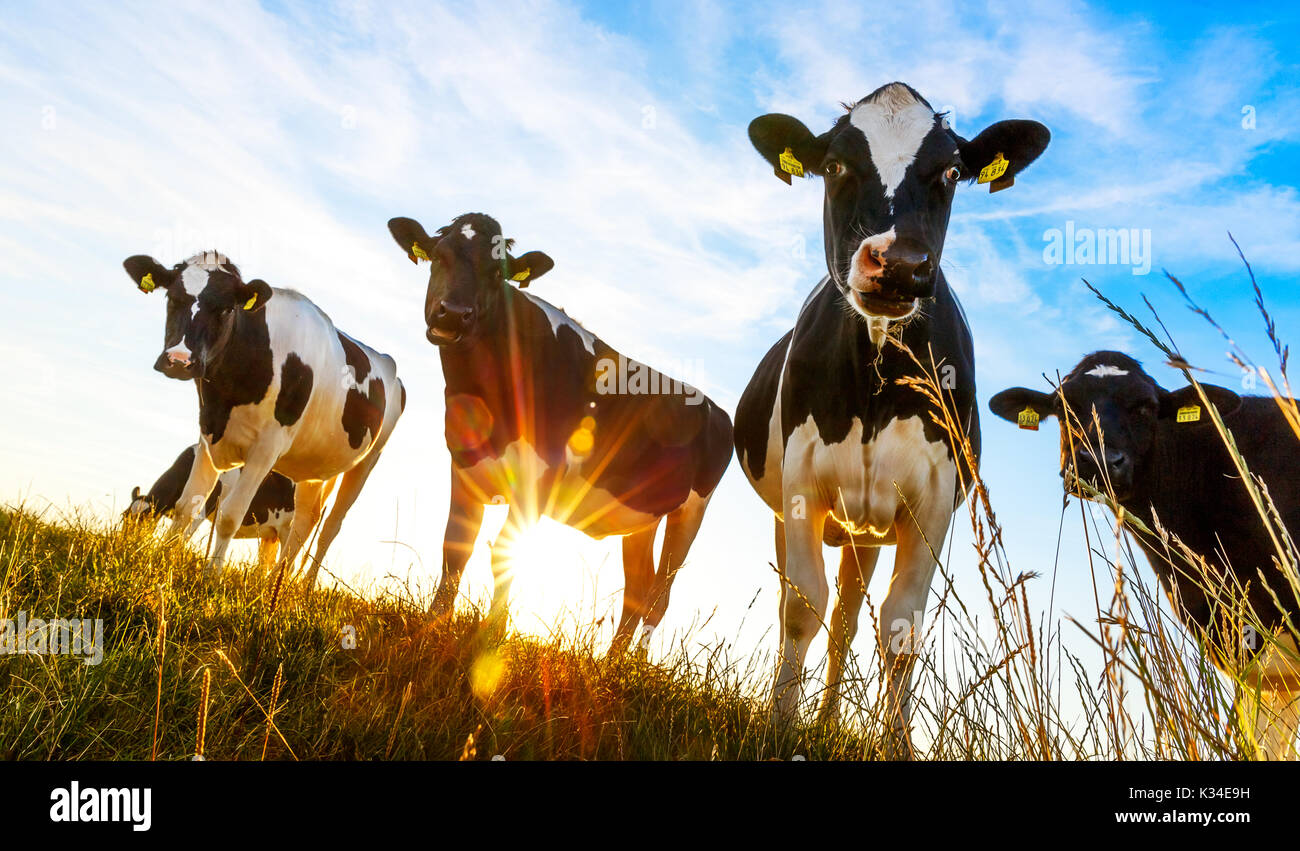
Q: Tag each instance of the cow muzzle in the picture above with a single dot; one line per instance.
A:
(448, 323)
(887, 275)
(1117, 475)
(172, 365)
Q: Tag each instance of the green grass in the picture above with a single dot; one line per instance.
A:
(410, 689)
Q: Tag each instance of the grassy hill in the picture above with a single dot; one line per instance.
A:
(283, 681)
(252, 668)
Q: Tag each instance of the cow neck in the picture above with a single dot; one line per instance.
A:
(240, 370)
(482, 364)
(837, 375)
(1175, 474)
(166, 492)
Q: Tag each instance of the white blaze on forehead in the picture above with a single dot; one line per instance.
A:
(467, 230)
(194, 277)
(1105, 369)
(895, 124)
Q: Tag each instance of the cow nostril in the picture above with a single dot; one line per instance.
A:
(442, 310)
(922, 273)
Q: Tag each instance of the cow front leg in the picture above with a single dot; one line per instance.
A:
(856, 566)
(464, 519)
(191, 508)
(804, 595)
(234, 504)
(902, 615)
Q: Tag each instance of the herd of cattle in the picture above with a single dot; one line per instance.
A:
(829, 431)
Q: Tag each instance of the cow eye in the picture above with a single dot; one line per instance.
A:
(834, 168)
(952, 174)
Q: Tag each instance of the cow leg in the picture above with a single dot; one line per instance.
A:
(503, 573)
(191, 507)
(1272, 716)
(234, 504)
(463, 523)
(308, 502)
(350, 484)
(804, 595)
(856, 566)
(679, 533)
(902, 612)
(267, 548)
(638, 576)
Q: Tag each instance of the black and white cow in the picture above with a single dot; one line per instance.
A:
(1163, 458)
(836, 448)
(543, 415)
(280, 388)
(268, 519)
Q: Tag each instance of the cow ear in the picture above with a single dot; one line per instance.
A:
(787, 145)
(147, 272)
(1017, 143)
(1013, 403)
(410, 235)
(526, 267)
(1184, 404)
(253, 295)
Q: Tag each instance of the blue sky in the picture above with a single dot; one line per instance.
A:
(613, 138)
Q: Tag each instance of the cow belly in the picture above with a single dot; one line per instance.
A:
(519, 477)
(866, 485)
(320, 448)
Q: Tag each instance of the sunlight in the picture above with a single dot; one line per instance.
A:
(562, 578)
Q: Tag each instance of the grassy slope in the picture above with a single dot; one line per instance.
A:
(409, 689)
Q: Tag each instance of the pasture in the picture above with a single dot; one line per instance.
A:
(259, 667)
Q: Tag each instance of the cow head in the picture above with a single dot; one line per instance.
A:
(202, 294)
(143, 506)
(469, 265)
(1129, 408)
(890, 166)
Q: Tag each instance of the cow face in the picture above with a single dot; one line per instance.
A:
(890, 166)
(181, 284)
(1129, 408)
(142, 507)
(201, 293)
(469, 265)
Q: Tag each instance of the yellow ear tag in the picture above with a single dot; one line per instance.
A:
(147, 284)
(248, 305)
(994, 170)
(789, 164)
(1028, 419)
(521, 276)
(1189, 414)
(418, 251)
